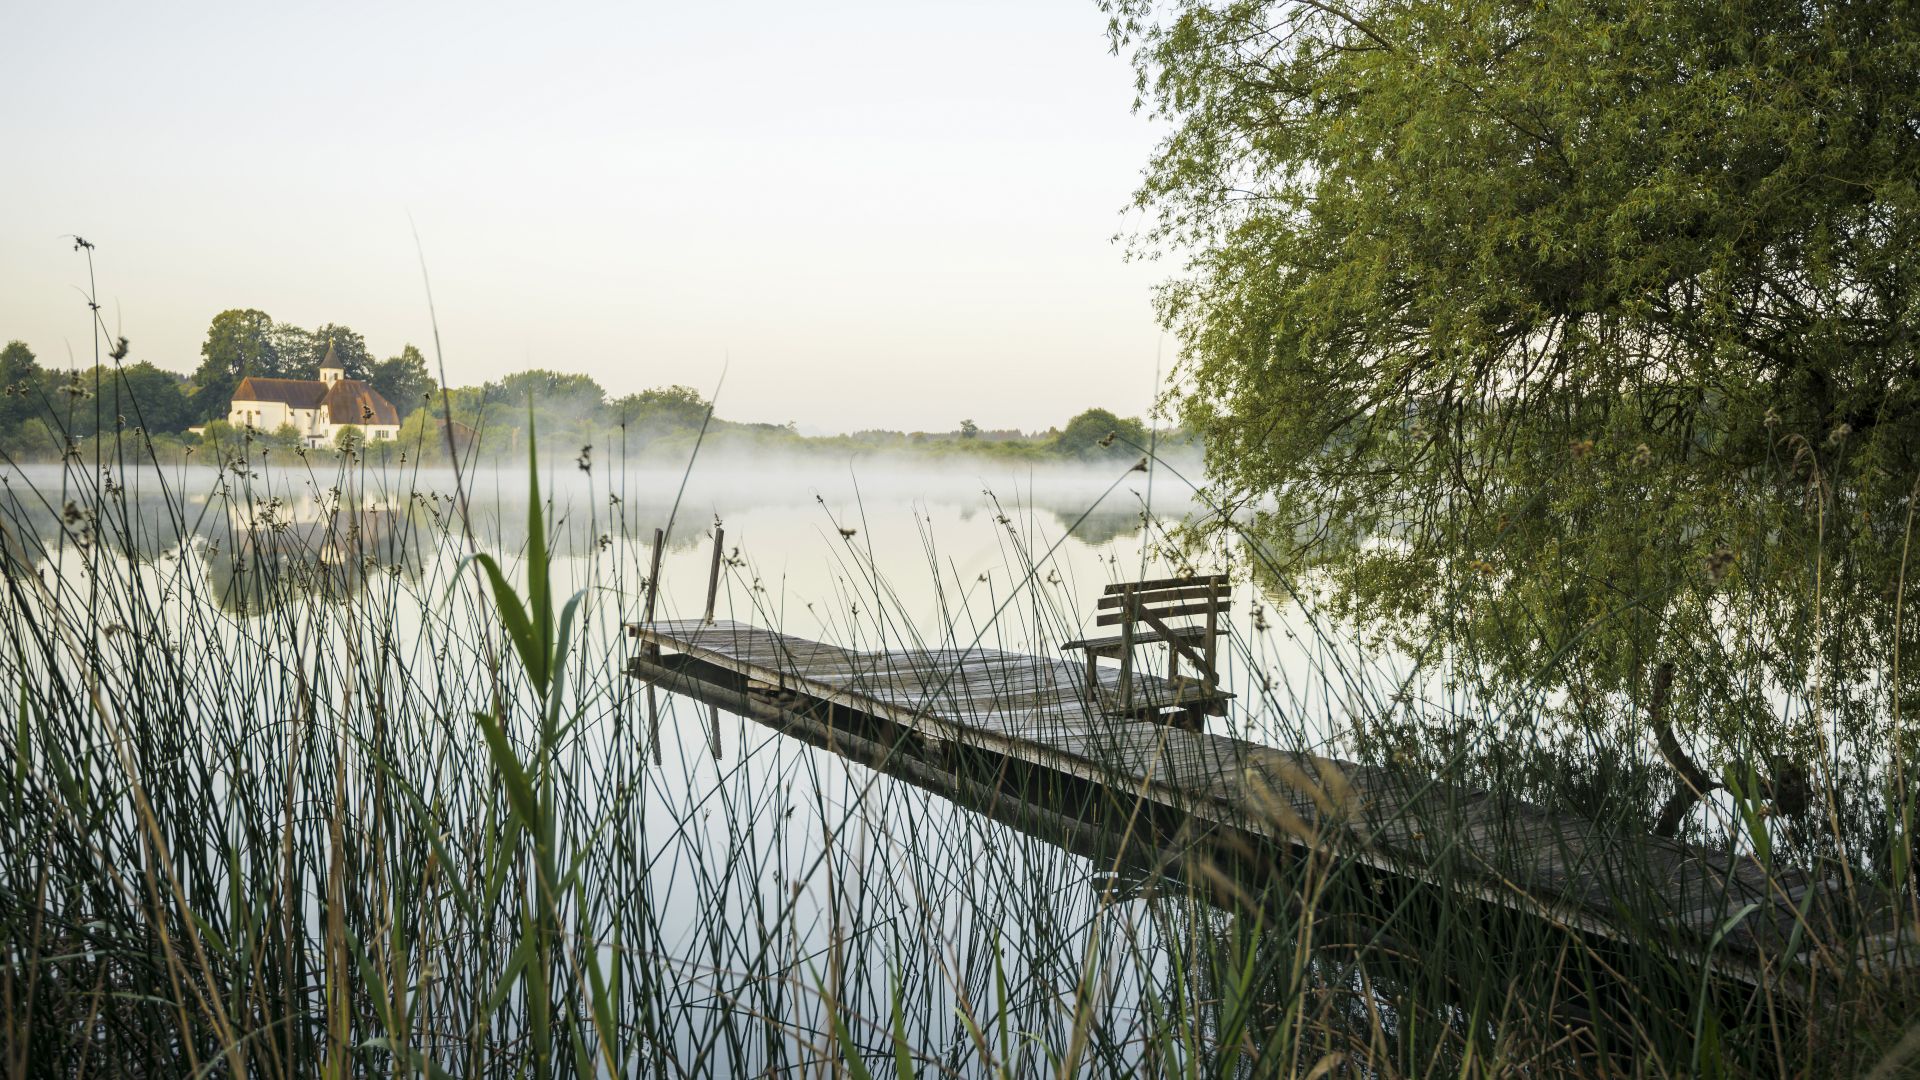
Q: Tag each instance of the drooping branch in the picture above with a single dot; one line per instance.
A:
(1694, 783)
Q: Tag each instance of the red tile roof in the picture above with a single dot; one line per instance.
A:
(298, 393)
(350, 401)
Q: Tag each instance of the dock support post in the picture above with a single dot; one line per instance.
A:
(1211, 675)
(713, 594)
(653, 650)
(653, 584)
(713, 573)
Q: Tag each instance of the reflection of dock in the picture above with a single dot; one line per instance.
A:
(983, 727)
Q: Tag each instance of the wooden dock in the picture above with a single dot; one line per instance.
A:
(962, 721)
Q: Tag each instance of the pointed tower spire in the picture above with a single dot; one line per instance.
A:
(330, 370)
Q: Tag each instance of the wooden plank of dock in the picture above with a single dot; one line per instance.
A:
(1039, 712)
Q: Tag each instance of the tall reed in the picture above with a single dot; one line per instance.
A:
(297, 783)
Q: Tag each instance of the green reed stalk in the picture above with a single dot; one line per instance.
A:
(541, 642)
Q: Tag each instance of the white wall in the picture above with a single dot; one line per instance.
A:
(261, 415)
(311, 423)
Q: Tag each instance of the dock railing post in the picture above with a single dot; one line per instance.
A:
(653, 589)
(653, 647)
(1211, 675)
(713, 573)
(713, 594)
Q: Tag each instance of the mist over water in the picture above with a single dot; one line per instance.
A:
(736, 863)
(747, 824)
(874, 551)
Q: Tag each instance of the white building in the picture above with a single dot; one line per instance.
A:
(317, 408)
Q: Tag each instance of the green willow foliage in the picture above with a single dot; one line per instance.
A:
(1586, 330)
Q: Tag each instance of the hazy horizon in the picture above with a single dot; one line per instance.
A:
(881, 216)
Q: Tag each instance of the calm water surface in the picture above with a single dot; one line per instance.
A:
(769, 862)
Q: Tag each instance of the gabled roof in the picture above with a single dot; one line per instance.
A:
(350, 401)
(298, 393)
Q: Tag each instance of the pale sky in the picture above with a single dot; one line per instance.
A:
(887, 214)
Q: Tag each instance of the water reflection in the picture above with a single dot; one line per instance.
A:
(764, 865)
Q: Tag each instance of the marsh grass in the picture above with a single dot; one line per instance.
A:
(345, 786)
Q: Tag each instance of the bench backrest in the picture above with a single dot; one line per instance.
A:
(1163, 599)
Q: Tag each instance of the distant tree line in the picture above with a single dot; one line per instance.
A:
(42, 412)
(46, 412)
(573, 412)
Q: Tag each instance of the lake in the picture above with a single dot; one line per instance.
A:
(732, 874)
(269, 687)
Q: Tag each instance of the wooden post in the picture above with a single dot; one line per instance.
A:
(1130, 607)
(653, 583)
(713, 593)
(713, 574)
(653, 649)
(1208, 676)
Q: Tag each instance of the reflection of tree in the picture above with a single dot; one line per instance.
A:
(1283, 567)
(1244, 970)
(264, 575)
(138, 526)
(500, 524)
(258, 562)
(1098, 526)
(1561, 739)
(15, 555)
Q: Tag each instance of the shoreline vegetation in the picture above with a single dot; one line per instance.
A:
(47, 414)
(416, 819)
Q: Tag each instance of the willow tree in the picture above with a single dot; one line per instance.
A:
(1589, 326)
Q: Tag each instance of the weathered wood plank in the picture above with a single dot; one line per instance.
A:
(1115, 617)
(1166, 583)
(1102, 646)
(1141, 597)
(1040, 711)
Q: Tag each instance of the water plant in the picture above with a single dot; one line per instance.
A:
(297, 778)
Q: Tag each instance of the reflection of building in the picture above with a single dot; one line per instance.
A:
(279, 551)
(316, 408)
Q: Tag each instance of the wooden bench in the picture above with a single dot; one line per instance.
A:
(1162, 612)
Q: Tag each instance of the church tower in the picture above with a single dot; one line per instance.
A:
(330, 370)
